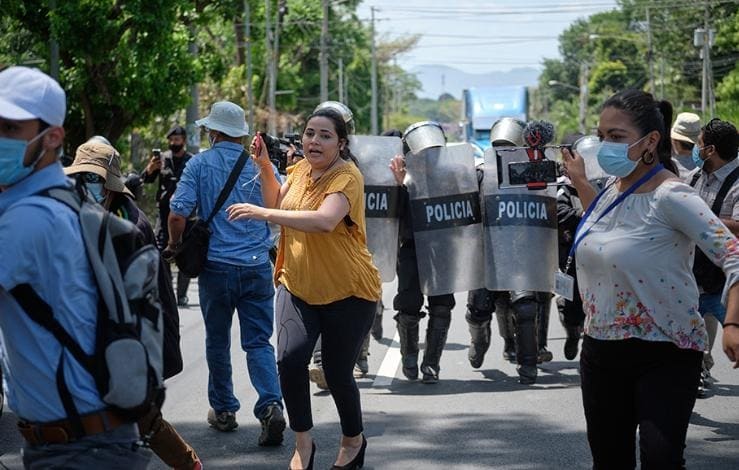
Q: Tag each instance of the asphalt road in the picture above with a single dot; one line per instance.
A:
(472, 419)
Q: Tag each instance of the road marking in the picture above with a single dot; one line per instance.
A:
(389, 367)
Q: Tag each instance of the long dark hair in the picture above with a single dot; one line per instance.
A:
(648, 115)
(341, 130)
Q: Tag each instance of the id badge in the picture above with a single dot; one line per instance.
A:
(564, 285)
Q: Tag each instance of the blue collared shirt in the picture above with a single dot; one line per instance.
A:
(242, 242)
(41, 245)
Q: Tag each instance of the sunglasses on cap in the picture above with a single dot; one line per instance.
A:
(92, 178)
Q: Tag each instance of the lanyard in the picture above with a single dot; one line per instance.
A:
(608, 209)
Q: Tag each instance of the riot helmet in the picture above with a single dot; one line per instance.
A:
(423, 135)
(343, 111)
(507, 132)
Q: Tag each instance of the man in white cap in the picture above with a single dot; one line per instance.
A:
(237, 275)
(61, 415)
(684, 134)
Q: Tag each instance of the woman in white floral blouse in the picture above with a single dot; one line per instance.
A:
(641, 356)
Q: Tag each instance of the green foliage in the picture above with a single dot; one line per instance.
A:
(615, 45)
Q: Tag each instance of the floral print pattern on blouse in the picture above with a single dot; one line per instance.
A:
(635, 266)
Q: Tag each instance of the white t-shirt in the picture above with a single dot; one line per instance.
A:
(634, 267)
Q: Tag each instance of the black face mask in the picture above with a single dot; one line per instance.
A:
(176, 148)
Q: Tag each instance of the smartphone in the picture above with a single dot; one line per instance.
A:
(156, 152)
(258, 144)
(524, 173)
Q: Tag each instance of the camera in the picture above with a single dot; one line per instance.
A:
(277, 148)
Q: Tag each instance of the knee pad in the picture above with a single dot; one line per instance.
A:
(526, 310)
(480, 300)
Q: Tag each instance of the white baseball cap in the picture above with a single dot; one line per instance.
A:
(226, 117)
(27, 93)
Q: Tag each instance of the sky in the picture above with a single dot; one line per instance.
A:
(479, 36)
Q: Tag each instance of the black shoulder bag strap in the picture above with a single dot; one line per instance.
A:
(226, 191)
(728, 183)
(695, 178)
(40, 312)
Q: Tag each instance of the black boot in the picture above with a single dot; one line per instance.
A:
(527, 348)
(509, 350)
(479, 341)
(361, 367)
(377, 322)
(436, 333)
(408, 332)
(572, 342)
(506, 328)
(183, 282)
(545, 355)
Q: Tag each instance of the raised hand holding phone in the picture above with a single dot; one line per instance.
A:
(259, 151)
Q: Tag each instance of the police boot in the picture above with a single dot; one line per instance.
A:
(527, 347)
(377, 322)
(479, 340)
(436, 332)
(408, 332)
(361, 367)
(507, 328)
(545, 355)
(572, 342)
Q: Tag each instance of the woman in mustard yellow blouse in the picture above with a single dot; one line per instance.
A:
(326, 282)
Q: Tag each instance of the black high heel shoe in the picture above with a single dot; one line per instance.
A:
(357, 462)
(312, 456)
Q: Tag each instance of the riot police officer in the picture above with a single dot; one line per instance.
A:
(409, 300)
(523, 314)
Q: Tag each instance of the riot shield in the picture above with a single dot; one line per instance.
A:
(520, 226)
(381, 193)
(447, 223)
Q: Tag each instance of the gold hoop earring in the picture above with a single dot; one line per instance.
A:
(644, 160)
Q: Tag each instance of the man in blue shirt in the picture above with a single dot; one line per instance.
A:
(237, 275)
(42, 255)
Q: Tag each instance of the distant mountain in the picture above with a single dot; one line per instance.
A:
(438, 79)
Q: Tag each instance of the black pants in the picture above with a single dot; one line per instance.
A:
(343, 325)
(409, 298)
(571, 311)
(630, 383)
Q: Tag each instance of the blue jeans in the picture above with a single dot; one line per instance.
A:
(112, 450)
(249, 290)
(710, 304)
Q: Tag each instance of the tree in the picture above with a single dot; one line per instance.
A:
(121, 63)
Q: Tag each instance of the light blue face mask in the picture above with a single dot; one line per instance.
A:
(696, 156)
(613, 157)
(12, 153)
(96, 191)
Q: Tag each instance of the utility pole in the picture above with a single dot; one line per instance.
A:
(192, 112)
(661, 78)
(703, 38)
(341, 79)
(274, 62)
(584, 72)
(249, 87)
(271, 79)
(53, 49)
(650, 53)
(323, 56)
(373, 109)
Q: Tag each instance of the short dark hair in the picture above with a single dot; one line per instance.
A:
(722, 135)
(177, 130)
